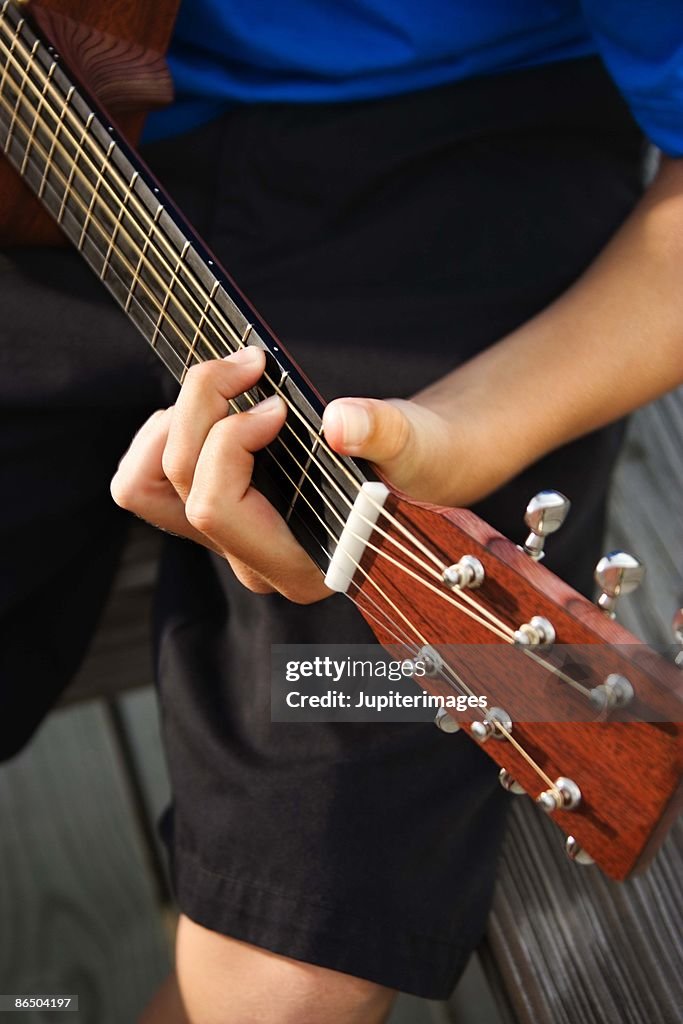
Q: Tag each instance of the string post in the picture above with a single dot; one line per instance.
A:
(564, 795)
(496, 724)
(615, 692)
(444, 722)
(467, 573)
(576, 853)
(539, 633)
(509, 784)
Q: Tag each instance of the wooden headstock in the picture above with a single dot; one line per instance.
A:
(627, 761)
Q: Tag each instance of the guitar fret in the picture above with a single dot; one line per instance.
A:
(198, 331)
(55, 139)
(149, 260)
(78, 152)
(94, 197)
(36, 117)
(10, 51)
(168, 295)
(145, 246)
(304, 474)
(20, 93)
(117, 224)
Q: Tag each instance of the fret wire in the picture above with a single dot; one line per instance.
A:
(36, 118)
(10, 50)
(25, 72)
(237, 409)
(159, 232)
(147, 242)
(117, 224)
(304, 474)
(311, 454)
(332, 454)
(55, 140)
(299, 439)
(81, 152)
(403, 568)
(217, 309)
(169, 293)
(198, 331)
(246, 334)
(78, 151)
(94, 197)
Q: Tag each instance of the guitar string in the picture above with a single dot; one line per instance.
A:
(17, 121)
(466, 598)
(154, 228)
(48, 85)
(128, 194)
(450, 597)
(233, 403)
(174, 278)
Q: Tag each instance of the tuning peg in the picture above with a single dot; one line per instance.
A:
(510, 784)
(443, 721)
(576, 853)
(677, 630)
(544, 514)
(616, 574)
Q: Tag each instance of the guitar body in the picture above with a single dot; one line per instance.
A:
(117, 50)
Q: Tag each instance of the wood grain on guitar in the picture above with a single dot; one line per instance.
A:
(117, 50)
(625, 763)
(628, 771)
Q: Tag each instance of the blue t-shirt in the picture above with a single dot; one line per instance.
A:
(228, 51)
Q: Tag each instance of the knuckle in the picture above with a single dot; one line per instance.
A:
(201, 514)
(200, 373)
(174, 466)
(396, 434)
(121, 491)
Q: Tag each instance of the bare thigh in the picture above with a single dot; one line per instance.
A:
(219, 980)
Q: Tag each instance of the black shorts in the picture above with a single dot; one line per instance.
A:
(385, 242)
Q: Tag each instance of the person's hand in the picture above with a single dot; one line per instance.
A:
(189, 469)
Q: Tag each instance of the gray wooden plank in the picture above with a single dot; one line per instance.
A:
(77, 908)
(646, 515)
(569, 944)
(120, 654)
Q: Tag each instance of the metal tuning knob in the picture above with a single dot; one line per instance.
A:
(509, 784)
(616, 574)
(544, 514)
(677, 630)
(576, 853)
(443, 721)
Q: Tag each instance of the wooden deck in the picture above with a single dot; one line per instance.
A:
(82, 896)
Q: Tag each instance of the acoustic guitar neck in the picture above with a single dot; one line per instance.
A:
(108, 204)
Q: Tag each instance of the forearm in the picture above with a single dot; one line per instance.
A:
(609, 344)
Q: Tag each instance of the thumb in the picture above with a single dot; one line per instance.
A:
(389, 433)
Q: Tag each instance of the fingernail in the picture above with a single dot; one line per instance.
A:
(269, 405)
(245, 355)
(354, 420)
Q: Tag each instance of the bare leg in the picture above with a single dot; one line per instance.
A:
(166, 1007)
(223, 981)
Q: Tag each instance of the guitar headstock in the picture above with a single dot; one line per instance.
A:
(580, 714)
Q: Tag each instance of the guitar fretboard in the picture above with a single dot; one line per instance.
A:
(188, 310)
